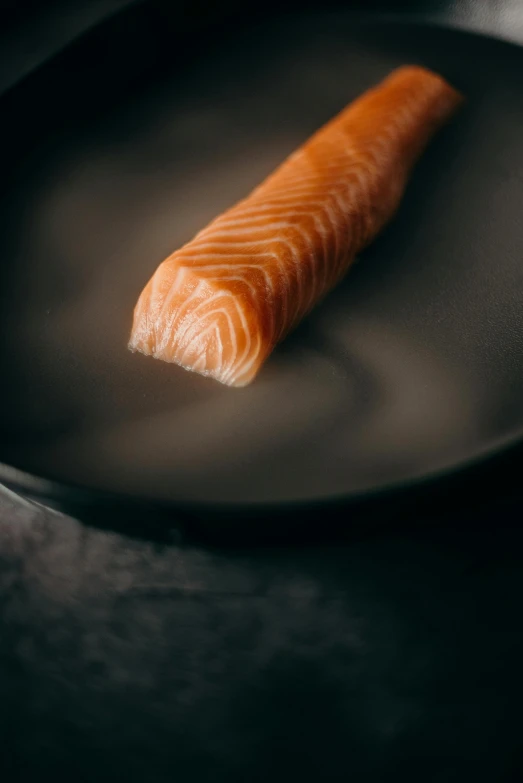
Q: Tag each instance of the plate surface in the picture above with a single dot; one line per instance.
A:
(411, 367)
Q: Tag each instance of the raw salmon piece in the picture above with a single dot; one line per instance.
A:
(220, 304)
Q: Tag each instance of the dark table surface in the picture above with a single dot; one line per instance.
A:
(393, 652)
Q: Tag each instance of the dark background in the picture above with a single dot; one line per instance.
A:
(391, 650)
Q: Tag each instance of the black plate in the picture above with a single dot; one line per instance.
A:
(121, 148)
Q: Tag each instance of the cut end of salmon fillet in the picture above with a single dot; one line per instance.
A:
(194, 323)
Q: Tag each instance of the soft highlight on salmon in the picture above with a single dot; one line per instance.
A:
(220, 304)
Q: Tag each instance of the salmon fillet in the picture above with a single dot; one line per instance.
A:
(221, 303)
